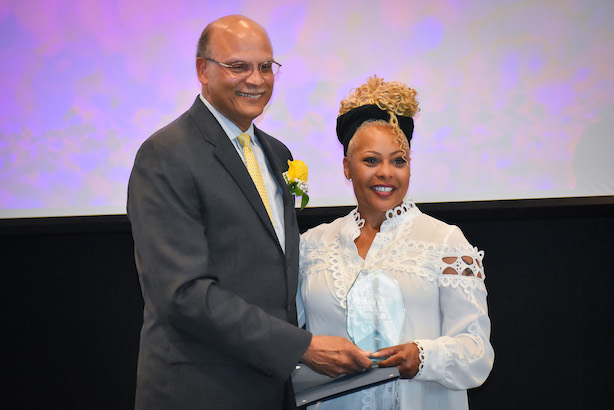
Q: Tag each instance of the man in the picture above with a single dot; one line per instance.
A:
(217, 249)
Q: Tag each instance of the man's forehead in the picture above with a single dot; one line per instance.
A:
(244, 40)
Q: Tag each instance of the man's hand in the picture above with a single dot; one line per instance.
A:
(333, 356)
(406, 357)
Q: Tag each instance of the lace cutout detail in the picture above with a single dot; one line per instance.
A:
(391, 214)
(405, 207)
(359, 221)
(464, 265)
(420, 355)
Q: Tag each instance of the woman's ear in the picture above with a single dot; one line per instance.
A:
(346, 168)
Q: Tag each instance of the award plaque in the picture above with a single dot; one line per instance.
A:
(375, 314)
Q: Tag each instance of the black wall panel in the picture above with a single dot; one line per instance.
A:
(71, 305)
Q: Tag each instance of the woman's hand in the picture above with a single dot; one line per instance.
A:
(406, 357)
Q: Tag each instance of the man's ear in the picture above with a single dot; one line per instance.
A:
(201, 70)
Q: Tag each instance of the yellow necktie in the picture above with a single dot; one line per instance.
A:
(254, 171)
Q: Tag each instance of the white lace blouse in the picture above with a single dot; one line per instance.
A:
(441, 277)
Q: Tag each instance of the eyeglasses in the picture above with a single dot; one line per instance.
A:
(244, 69)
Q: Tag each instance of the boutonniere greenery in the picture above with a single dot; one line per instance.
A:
(296, 178)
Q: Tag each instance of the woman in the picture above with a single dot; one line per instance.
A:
(443, 345)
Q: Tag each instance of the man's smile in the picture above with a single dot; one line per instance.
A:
(251, 95)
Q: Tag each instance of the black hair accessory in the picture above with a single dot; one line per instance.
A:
(348, 123)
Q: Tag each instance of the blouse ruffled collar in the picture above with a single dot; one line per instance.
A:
(394, 216)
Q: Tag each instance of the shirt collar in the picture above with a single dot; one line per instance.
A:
(229, 127)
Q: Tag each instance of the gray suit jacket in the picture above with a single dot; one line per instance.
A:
(219, 326)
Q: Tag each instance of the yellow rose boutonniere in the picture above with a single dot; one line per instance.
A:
(296, 178)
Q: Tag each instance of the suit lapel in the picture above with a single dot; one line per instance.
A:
(226, 153)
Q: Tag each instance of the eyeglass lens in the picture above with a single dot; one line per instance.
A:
(266, 68)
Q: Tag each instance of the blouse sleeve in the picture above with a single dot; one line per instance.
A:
(462, 357)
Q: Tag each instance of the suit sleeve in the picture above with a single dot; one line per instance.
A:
(172, 251)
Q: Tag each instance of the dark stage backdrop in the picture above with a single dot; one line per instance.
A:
(72, 307)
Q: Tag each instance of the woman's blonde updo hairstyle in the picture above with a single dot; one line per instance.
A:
(394, 97)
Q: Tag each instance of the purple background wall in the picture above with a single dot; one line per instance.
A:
(516, 97)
